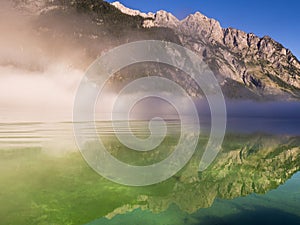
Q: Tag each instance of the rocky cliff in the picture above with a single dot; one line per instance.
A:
(261, 64)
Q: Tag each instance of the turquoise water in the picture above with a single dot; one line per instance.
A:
(254, 179)
(280, 206)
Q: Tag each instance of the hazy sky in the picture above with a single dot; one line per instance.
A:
(279, 19)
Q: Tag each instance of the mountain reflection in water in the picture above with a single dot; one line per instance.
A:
(46, 181)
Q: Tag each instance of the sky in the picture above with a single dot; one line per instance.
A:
(279, 19)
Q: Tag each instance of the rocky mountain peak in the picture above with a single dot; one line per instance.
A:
(165, 19)
(132, 12)
(159, 19)
(199, 25)
(259, 63)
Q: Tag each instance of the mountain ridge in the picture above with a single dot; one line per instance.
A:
(199, 32)
(247, 66)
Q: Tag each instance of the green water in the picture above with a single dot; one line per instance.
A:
(44, 180)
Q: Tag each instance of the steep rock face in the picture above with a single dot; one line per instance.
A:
(236, 40)
(261, 64)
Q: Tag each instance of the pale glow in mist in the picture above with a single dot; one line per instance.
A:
(34, 96)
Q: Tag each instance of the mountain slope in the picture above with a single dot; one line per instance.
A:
(261, 64)
(246, 65)
(85, 28)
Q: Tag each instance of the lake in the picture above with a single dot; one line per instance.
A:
(253, 180)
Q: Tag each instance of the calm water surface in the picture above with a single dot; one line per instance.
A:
(254, 179)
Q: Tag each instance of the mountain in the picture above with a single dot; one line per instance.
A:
(76, 32)
(247, 66)
(261, 64)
